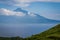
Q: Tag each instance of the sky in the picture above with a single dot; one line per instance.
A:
(46, 8)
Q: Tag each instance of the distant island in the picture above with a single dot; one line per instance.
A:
(51, 34)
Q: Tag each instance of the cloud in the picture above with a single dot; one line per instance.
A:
(10, 13)
(14, 13)
(24, 3)
(37, 0)
(31, 14)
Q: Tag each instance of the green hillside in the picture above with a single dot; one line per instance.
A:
(51, 34)
(11, 38)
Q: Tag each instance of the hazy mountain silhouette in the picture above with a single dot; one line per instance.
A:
(28, 18)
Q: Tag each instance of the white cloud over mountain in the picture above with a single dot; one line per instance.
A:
(10, 13)
(24, 3)
(14, 13)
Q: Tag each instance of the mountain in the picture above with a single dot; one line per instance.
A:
(28, 18)
(51, 34)
(21, 10)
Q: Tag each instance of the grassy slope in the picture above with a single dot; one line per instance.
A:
(11, 38)
(51, 34)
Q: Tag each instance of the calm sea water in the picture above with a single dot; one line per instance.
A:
(22, 30)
